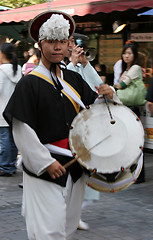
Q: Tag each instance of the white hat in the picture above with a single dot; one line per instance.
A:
(52, 25)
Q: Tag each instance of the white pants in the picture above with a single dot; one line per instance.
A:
(52, 212)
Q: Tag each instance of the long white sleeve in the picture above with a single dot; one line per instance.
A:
(132, 74)
(91, 76)
(88, 73)
(35, 155)
(71, 67)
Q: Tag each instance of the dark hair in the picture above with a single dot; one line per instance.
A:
(133, 47)
(102, 67)
(9, 50)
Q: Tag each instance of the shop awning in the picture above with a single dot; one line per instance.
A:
(73, 7)
(2, 8)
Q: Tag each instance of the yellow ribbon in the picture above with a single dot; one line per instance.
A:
(76, 106)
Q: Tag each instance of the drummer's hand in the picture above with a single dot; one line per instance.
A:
(105, 89)
(56, 170)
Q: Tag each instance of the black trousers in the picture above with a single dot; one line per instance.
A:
(141, 177)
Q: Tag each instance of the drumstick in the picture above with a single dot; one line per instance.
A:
(70, 162)
(112, 120)
(66, 165)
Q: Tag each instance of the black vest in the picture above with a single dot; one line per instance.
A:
(38, 104)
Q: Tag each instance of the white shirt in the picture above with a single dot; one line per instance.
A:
(117, 71)
(7, 85)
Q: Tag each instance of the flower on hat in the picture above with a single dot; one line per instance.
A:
(55, 28)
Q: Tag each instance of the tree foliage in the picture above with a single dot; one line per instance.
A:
(19, 3)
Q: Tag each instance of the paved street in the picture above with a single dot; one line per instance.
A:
(126, 215)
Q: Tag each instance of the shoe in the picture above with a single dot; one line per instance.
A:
(5, 174)
(83, 226)
(20, 185)
(139, 181)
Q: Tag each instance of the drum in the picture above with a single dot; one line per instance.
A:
(111, 153)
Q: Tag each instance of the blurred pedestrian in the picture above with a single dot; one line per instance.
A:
(149, 97)
(33, 61)
(101, 70)
(79, 63)
(10, 74)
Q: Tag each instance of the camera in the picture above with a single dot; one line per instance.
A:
(79, 42)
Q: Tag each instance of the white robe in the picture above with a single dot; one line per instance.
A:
(51, 212)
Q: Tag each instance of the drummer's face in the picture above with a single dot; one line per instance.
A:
(128, 56)
(53, 51)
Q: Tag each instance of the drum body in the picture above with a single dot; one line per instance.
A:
(110, 152)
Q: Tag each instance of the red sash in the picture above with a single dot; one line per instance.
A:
(64, 143)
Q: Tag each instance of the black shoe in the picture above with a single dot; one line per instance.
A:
(140, 181)
(5, 174)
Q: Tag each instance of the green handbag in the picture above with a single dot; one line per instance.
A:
(134, 94)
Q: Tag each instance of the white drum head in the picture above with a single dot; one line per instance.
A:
(107, 147)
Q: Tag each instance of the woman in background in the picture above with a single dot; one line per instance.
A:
(131, 71)
(10, 74)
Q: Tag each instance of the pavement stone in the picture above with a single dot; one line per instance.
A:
(125, 215)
